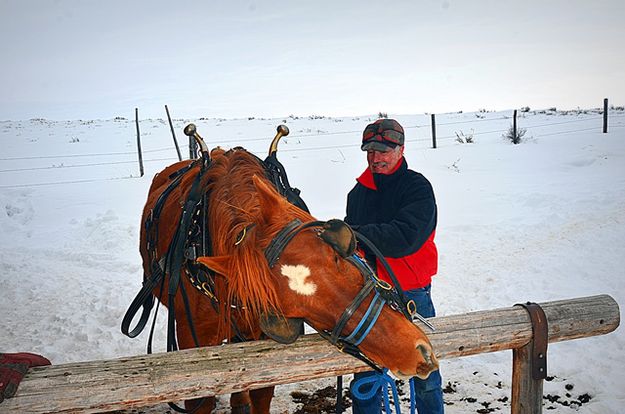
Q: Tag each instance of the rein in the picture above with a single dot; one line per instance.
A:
(383, 382)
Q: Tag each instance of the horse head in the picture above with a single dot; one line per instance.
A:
(311, 277)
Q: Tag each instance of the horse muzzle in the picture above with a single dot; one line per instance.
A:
(427, 364)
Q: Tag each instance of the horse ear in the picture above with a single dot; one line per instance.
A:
(218, 264)
(281, 329)
(340, 236)
(268, 197)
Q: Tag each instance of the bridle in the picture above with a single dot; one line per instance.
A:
(384, 293)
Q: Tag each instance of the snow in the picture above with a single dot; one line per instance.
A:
(543, 220)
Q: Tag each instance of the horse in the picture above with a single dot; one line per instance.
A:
(232, 259)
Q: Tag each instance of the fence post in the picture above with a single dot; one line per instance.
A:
(514, 135)
(527, 393)
(139, 141)
(605, 116)
(173, 134)
(433, 131)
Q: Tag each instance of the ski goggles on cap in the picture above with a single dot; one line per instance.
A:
(384, 131)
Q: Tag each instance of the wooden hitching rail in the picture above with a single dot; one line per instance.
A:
(147, 380)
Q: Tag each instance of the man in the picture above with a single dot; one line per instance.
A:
(395, 208)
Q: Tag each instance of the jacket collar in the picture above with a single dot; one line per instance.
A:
(374, 181)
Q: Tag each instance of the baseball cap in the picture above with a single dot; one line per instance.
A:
(382, 135)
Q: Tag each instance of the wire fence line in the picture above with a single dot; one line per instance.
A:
(41, 157)
(95, 164)
(567, 132)
(288, 150)
(87, 180)
(101, 154)
(319, 134)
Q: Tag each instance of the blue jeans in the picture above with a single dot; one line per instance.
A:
(429, 392)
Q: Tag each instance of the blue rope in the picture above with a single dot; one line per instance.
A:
(379, 381)
(413, 397)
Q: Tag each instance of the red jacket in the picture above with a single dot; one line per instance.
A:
(415, 270)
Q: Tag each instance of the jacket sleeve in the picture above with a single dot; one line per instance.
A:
(411, 226)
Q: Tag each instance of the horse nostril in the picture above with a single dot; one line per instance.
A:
(426, 353)
(429, 364)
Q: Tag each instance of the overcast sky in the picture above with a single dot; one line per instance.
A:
(71, 59)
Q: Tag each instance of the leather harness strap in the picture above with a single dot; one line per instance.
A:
(277, 175)
(540, 330)
(279, 242)
(145, 298)
(350, 310)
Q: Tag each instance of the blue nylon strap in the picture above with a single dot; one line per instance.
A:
(413, 397)
(362, 262)
(376, 305)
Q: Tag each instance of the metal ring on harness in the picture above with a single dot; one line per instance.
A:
(243, 233)
(384, 285)
(206, 289)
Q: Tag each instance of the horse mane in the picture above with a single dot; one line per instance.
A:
(241, 229)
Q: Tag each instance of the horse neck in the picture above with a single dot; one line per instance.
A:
(239, 230)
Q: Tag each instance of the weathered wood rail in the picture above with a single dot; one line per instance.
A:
(140, 381)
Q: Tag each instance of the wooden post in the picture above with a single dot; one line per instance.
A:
(139, 142)
(605, 116)
(433, 131)
(527, 392)
(173, 134)
(514, 133)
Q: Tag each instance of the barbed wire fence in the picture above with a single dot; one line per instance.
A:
(426, 133)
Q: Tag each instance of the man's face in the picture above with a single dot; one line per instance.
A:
(384, 162)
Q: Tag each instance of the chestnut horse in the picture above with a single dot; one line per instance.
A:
(246, 294)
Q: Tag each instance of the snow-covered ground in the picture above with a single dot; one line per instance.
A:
(540, 221)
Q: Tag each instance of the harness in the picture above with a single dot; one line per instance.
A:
(189, 242)
(180, 248)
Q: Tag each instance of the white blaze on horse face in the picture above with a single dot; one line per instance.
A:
(297, 279)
